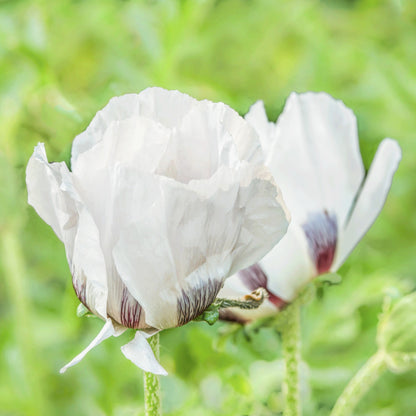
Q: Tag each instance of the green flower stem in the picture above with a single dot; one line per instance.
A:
(290, 332)
(152, 404)
(359, 385)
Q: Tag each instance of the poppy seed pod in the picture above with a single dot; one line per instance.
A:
(167, 196)
(313, 153)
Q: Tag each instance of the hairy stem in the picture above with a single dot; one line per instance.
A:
(152, 403)
(290, 332)
(250, 301)
(359, 385)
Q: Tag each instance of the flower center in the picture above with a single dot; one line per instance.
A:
(321, 231)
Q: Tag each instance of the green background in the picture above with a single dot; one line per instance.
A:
(62, 61)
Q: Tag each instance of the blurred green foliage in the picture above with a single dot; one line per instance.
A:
(62, 61)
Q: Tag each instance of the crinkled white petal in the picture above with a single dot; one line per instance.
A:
(107, 331)
(52, 193)
(44, 181)
(257, 117)
(167, 107)
(122, 163)
(258, 204)
(370, 200)
(136, 141)
(129, 150)
(315, 155)
(175, 111)
(288, 266)
(149, 254)
(118, 108)
(201, 144)
(156, 254)
(139, 352)
(174, 259)
(121, 194)
(88, 268)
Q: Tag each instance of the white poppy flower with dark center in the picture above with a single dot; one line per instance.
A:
(313, 153)
(167, 196)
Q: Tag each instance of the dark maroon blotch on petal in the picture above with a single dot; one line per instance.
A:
(321, 230)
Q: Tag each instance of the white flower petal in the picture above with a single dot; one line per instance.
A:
(107, 331)
(288, 266)
(44, 181)
(207, 138)
(174, 259)
(118, 108)
(264, 225)
(139, 352)
(257, 117)
(371, 198)
(194, 121)
(88, 268)
(136, 141)
(129, 149)
(176, 110)
(166, 107)
(52, 193)
(154, 256)
(163, 107)
(316, 159)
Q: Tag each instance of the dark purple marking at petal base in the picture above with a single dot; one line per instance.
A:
(321, 230)
(81, 291)
(131, 311)
(194, 301)
(254, 277)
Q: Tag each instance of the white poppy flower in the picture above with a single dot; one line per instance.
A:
(167, 197)
(313, 153)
